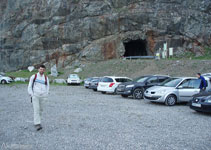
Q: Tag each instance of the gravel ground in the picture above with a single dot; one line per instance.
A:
(76, 118)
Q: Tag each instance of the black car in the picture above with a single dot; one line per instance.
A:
(139, 85)
(94, 83)
(201, 102)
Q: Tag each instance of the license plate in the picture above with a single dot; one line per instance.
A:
(196, 105)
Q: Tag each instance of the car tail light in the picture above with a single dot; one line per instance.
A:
(111, 84)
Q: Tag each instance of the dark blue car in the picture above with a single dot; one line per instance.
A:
(201, 102)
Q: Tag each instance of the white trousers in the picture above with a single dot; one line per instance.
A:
(38, 103)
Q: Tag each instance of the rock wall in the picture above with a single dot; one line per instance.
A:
(69, 31)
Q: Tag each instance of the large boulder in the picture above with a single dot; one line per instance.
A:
(54, 71)
(77, 70)
(59, 81)
(20, 79)
(31, 68)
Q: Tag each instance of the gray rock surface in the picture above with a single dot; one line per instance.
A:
(34, 32)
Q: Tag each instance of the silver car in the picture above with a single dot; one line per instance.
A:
(5, 79)
(175, 90)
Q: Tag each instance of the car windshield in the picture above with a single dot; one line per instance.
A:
(73, 76)
(171, 82)
(141, 79)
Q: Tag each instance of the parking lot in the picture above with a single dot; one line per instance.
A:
(76, 118)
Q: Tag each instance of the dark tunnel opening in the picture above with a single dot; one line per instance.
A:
(136, 48)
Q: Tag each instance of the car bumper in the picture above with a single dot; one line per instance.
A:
(108, 90)
(73, 82)
(154, 98)
(9, 81)
(86, 85)
(203, 107)
(93, 87)
(126, 91)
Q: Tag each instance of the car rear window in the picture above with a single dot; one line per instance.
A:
(122, 80)
(95, 80)
(162, 79)
(106, 79)
(141, 79)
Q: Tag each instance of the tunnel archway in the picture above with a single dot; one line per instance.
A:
(135, 48)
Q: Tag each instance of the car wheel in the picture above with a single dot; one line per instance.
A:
(103, 92)
(138, 93)
(171, 100)
(124, 96)
(3, 82)
(95, 90)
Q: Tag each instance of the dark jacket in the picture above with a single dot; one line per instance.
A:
(203, 83)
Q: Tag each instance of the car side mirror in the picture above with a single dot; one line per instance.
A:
(180, 87)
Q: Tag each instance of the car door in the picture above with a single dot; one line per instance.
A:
(151, 82)
(188, 88)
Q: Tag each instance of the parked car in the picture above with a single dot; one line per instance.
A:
(94, 83)
(201, 102)
(175, 90)
(206, 74)
(73, 79)
(88, 81)
(139, 85)
(5, 79)
(108, 84)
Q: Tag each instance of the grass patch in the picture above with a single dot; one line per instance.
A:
(16, 83)
(58, 84)
(206, 56)
(190, 55)
(27, 74)
(21, 73)
(26, 83)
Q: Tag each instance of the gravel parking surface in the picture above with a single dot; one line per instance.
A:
(76, 118)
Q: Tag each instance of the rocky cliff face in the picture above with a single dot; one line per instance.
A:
(69, 31)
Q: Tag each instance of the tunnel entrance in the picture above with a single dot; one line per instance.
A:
(135, 48)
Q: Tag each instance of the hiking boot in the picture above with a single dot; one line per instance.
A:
(38, 127)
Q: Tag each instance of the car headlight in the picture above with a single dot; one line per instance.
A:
(130, 86)
(208, 101)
